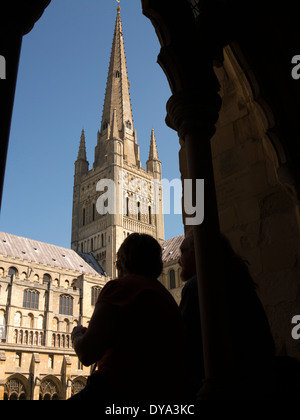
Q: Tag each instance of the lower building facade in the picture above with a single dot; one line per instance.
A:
(45, 291)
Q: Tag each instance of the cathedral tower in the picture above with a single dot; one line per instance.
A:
(98, 224)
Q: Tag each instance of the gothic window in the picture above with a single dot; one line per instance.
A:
(14, 390)
(66, 305)
(105, 125)
(172, 279)
(128, 125)
(117, 74)
(150, 215)
(95, 293)
(31, 299)
(77, 385)
(48, 391)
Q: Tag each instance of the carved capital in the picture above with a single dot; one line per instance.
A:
(189, 111)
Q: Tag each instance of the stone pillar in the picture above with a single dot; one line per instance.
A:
(66, 376)
(2, 374)
(35, 372)
(194, 114)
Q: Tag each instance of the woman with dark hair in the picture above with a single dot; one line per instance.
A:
(136, 333)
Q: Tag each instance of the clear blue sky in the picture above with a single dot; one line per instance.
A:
(60, 90)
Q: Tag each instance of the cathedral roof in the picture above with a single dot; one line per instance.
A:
(171, 249)
(47, 254)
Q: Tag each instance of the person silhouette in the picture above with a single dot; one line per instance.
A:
(253, 344)
(136, 333)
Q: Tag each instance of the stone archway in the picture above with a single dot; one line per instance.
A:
(77, 385)
(16, 388)
(50, 389)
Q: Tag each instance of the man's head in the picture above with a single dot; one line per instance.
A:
(187, 259)
(140, 254)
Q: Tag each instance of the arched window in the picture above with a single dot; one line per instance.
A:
(95, 293)
(128, 124)
(30, 321)
(127, 206)
(65, 305)
(77, 385)
(117, 74)
(40, 323)
(31, 299)
(14, 390)
(55, 324)
(172, 279)
(150, 215)
(46, 279)
(17, 319)
(66, 325)
(48, 391)
(12, 272)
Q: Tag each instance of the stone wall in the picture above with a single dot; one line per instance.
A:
(259, 212)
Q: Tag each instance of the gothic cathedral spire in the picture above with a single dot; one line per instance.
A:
(117, 105)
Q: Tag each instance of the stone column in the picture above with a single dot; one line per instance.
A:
(2, 374)
(193, 114)
(35, 375)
